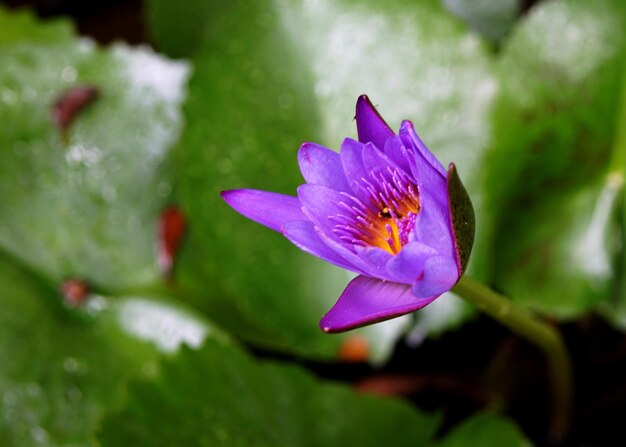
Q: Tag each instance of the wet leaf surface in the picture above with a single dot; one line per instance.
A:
(551, 187)
(64, 367)
(85, 203)
(237, 401)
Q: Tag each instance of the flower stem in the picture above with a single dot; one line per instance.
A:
(541, 334)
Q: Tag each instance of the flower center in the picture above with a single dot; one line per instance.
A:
(388, 216)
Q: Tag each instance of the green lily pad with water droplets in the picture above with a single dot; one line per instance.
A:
(62, 368)
(220, 396)
(551, 187)
(22, 26)
(84, 203)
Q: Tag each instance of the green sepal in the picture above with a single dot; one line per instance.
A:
(462, 219)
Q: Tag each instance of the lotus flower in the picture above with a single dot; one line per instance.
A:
(383, 207)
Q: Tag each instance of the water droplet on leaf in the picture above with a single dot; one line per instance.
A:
(70, 365)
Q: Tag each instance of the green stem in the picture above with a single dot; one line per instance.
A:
(541, 334)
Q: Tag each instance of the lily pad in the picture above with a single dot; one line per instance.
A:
(62, 368)
(84, 202)
(272, 75)
(219, 396)
(485, 429)
(493, 20)
(552, 188)
(23, 26)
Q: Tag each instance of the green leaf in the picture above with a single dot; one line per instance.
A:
(564, 267)
(491, 19)
(178, 28)
(272, 75)
(551, 186)
(85, 204)
(61, 368)
(462, 217)
(485, 429)
(219, 396)
(22, 26)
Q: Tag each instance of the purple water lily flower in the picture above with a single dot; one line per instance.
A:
(384, 208)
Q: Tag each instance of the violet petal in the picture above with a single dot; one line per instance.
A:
(427, 178)
(321, 166)
(303, 235)
(371, 127)
(362, 265)
(376, 162)
(367, 300)
(441, 273)
(395, 150)
(267, 208)
(377, 258)
(351, 153)
(320, 203)
(432, 225)
(407, 266)
(410, 139)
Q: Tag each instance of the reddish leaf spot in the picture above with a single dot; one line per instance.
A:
(75, 292)
(355, 349)
(70, 103)
(170, 231)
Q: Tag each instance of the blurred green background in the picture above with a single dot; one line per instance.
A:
(101, 344)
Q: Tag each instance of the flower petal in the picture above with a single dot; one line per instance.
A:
(395, 150)
(376, 162)
(371, 127)
(267, 208)
(363, 265)
(320, 203)
(321, 166)
(303, 235)
(351, 153)
(432, 225)
(441, 273)
(377, 259)
(410, 139)
(408, 265)
(367, 300)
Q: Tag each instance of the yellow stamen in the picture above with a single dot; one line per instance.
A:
(388, 223)
(395, 244)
